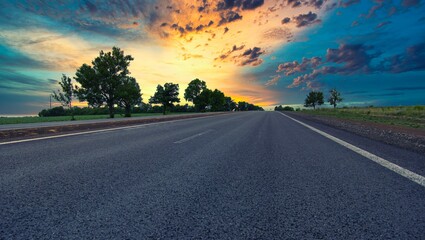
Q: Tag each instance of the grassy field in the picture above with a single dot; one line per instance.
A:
(15, 120)
(408, 116)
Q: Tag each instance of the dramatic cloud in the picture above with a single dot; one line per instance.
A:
(311, 3)
(286, 20)
(413, 59)
(273, 81)
(251, 57)
(353, 57)
(382, 24)
(347, 59)
(239, 4)
(290, 68)
(303, 20)
(348, 3)
(234, 49)
(410, 3)
(228, 17)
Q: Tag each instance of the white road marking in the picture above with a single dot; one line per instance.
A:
(192, 137)
(385, 163)
(102, 130)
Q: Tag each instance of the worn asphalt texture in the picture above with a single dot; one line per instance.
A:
(250, 175)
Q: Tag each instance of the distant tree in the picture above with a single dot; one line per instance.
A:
(217, 101)
(288, 108)
(242, 106)
(128, 94)
(335, 97)
(230, 105)
(313, 99)
(64, 95)
(204, 100)
(193, 90)
(100, 82)
(166, 96)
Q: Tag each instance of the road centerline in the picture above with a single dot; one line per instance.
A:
(193, 136)
(385, 163)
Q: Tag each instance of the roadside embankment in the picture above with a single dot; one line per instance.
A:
(25, 133)
(408, 138)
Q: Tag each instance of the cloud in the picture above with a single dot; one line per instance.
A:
(19, 83)
(228, 53)
(413, 59)
(303, 20)
(286, 20)
(348, 3)
(382, 24)
(251, 57)
(293, 3)
(310, 3)
(273, 81)
(290, 68)
(354, 57)
(239, 4)
(350, 59)
(347, 59)
(228, 17)
(410, 3)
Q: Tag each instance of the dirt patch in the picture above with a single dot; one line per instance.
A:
(408, 138)
(19, 134)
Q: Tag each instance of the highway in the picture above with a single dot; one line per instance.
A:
(243, 175)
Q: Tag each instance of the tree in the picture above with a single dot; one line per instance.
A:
(193, 90)
(204, 100)
(335, 97)
(64, 95)
(100, 82)
(129, 94)
(166, 95)
(217, 101)
(230, 104)
(313, 99)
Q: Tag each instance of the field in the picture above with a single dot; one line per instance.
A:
(16, 120)
(407, 116)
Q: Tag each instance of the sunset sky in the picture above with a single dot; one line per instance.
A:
(265, 52)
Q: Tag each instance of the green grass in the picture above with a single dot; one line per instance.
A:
(407, 116)
(16, 120)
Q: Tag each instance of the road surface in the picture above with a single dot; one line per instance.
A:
(238, 176)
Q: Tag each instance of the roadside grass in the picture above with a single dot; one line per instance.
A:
(406, 116)
(17, 120)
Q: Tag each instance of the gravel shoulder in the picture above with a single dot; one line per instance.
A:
(407, 138)
(71, 127)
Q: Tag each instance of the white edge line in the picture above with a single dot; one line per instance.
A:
(103, 130)
(385, 163)
(193, 136)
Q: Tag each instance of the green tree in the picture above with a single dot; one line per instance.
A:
(129, 95)
(64, 95)
(166, 96)
(100, 82)
(313, 99)
(217, 101)
(335, 97)
(193, 90)
(230, 104)
(204, 100)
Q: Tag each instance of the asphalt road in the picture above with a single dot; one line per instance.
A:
(238, 176)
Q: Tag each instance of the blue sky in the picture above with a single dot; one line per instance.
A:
(265, 52)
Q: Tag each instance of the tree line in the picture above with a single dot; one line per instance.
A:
(107, 84)
(316, 98)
